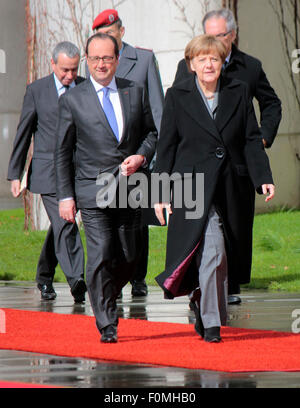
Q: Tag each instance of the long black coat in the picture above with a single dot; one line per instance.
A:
(230, 153)
(249, 69)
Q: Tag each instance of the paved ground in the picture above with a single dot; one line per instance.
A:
(258, 311)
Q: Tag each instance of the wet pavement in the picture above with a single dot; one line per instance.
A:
(258, 310)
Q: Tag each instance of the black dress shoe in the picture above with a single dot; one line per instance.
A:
(212, 335)
(78, 291)
(139, 288)
(234, 300)
(109, 334)
(47, 291)
(199, 324)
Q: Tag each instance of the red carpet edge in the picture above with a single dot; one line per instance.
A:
(155, 343)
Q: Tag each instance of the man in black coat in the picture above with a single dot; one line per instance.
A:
(39, 119)
(244, 67)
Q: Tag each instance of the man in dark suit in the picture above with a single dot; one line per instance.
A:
(139, 65)
(244, 67)
(39, 119)
(107, 123)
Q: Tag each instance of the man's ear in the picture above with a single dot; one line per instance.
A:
(122, 31)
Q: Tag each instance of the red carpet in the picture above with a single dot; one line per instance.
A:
(10, 384)
(140, 341)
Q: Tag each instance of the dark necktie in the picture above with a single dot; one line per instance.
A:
(109, 112)
(225, 65)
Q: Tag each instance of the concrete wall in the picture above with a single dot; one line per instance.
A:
(13, 80)
(260, 35)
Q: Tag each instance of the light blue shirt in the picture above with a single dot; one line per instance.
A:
(60, 87)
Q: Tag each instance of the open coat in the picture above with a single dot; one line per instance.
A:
(229, 152)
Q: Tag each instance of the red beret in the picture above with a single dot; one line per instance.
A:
(106, 18)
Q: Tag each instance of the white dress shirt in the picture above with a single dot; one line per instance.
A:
(60, 87)
(115, 100)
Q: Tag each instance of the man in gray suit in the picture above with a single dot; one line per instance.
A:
(107, 123)
(39, 119)
(138, 65)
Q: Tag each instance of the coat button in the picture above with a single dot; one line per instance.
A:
(220, 152)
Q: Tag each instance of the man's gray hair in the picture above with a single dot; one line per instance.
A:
(222, 13)
(65, 47)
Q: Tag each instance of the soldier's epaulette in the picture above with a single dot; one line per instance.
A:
(145, 49)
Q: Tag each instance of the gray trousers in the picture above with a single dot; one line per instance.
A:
(211, 260)
(113, 240)
(62, 245)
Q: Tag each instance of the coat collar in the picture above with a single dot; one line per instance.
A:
(127, 60)
(194, 105)
(237, 57)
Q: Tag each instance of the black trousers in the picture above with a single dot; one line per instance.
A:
(113, 240)
(62, 245)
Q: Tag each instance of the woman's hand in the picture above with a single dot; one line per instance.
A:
(268, 189)
(159, 211)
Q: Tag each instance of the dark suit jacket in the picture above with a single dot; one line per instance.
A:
(84, 129)
(39, 119)
(230, 153)
(249, 69)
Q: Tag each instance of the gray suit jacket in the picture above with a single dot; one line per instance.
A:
(84, 132)
(38, 118)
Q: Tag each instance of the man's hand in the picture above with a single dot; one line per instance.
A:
(268, 189)
(15, 188)
(67, 210)
(131, 164)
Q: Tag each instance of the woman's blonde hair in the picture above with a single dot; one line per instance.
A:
(204, 44)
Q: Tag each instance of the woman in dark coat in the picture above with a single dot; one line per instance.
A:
(209, 127)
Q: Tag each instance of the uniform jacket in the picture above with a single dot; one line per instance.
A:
(229, 152)
(85, 132)
(39, 119)
(249, 69)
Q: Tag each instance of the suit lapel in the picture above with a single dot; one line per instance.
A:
(53, 94)
(229, 100)
(124, 94)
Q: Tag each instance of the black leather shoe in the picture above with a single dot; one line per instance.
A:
(212, 335)
(234, 300)
(139, 288)
(199, 324)
(78, 291)
(47, 291)
(109, 334)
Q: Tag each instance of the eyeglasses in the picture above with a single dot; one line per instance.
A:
(222, 35)
(105, 59)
